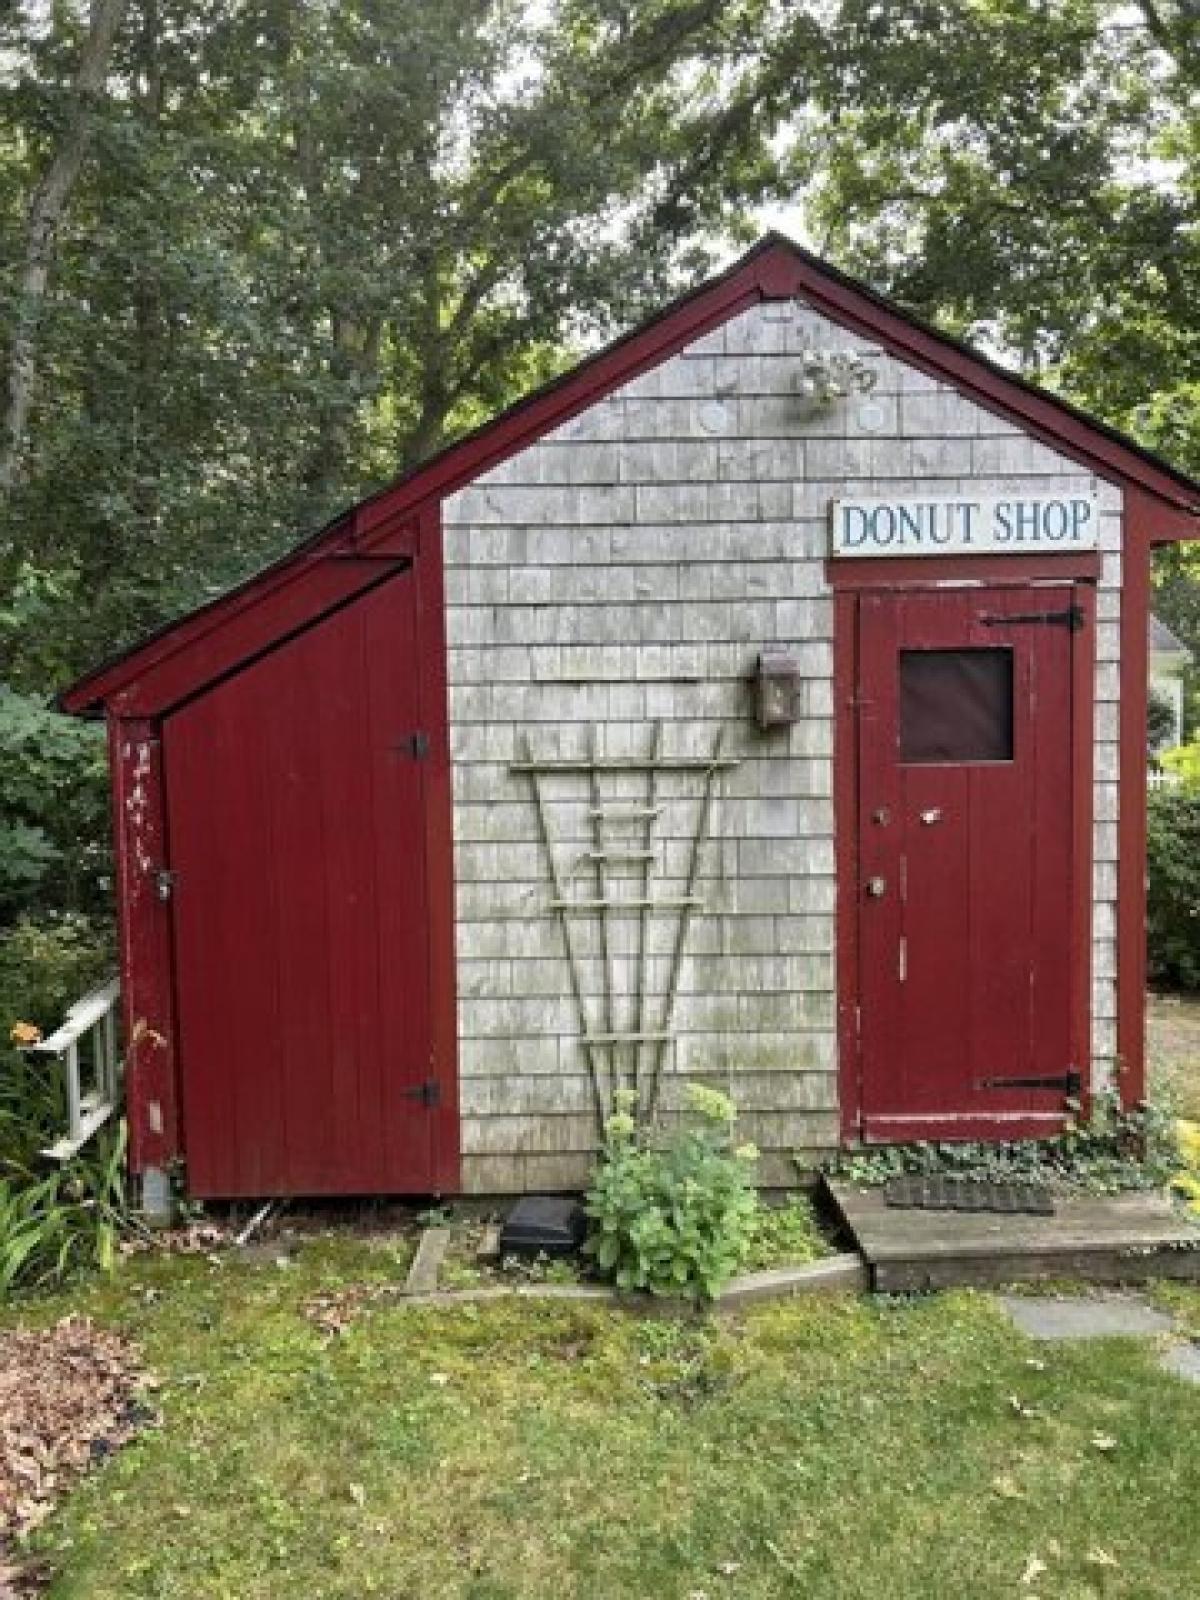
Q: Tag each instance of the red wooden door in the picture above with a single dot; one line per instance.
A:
(966, 851)
(297, 838)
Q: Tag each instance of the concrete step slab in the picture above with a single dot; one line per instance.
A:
(1085, 1317)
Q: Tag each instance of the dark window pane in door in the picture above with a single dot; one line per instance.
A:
(956, 705)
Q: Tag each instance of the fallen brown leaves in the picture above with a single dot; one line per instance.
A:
(332, 1314)
(70, 1396)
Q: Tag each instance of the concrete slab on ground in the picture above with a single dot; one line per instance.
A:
(426, 1264)
(1183, 1360)
(1085, 1317)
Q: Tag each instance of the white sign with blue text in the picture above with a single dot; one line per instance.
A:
(966, 525)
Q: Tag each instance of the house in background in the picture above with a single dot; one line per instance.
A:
(761, 704)
(1169, 659)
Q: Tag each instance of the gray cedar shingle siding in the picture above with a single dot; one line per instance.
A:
(628, 569)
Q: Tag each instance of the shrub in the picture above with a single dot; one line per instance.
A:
(65, 1221)
(785, 1235)
(55, 1221)
(54, 833)
(1173, 872)
(676, 1218)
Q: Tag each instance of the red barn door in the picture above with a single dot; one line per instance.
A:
(295, 801)
(968, 970)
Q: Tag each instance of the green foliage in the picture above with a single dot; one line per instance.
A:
(785, 1235)
(313, 242)
(59, 1223)
(1173, 879)
(48, 963)
(1112, 1151)
(1027, 175)
(55, 1221)
(673, 1219)
(54, 833)
(1160, 722)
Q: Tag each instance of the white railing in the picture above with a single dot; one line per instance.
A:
(1161, 777)
(86, 1047)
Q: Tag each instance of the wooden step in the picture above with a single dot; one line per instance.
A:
(1121, 1238)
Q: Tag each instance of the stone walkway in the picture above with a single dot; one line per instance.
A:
(1054, 1317)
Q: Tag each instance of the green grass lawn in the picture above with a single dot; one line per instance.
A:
(844, 1448)
(1173, 1050)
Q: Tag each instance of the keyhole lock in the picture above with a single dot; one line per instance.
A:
(876, 888)
(883, 816)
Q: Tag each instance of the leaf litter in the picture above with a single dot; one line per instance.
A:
(70, 1396)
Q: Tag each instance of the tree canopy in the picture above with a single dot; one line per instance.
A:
(257, 255)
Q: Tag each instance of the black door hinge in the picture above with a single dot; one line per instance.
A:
(1069, 1082)
(428, 1093)
(413, 745)
(1072, 618)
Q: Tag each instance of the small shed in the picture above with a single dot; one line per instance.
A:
(761, 704)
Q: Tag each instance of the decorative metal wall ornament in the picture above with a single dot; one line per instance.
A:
(827, 376)
(631, 1056)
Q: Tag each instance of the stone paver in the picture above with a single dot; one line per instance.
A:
(431, 1249)
(1183, 1360)
(1098, 1317)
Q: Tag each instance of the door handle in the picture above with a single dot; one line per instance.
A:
(934, 814)
(876, 888)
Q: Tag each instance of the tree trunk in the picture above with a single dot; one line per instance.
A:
(46, 212)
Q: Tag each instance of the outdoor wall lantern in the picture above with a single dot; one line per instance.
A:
(777, 689)
(827, 376)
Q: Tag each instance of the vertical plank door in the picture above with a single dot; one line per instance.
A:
(295, 797)
(968, 969)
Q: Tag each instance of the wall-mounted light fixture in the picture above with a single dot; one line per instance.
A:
(776, 689)
(826, 376)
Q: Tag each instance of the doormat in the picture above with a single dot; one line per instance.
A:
(967, 1194)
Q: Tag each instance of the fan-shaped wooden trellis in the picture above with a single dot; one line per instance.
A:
(624, 1057)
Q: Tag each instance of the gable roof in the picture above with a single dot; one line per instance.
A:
(212, 640)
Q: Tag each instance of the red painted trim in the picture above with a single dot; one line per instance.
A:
(920, 572)
(261, 624)
(1170, 525)
(1039, 413)
(1083, 738)
(531, 419)
(439, 850)
(845, 827)
(773, 269)
(951, 1130)
(1140, 521)
(144, 932)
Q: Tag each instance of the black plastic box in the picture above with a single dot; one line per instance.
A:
(543, 1224)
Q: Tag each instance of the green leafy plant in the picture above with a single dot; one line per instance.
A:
(44, 966)
(60, 1223)
(785, 1235)
(54, 834)
(673, 1218)
(1173, 877)
(55, 1221)
(1112, 1150)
